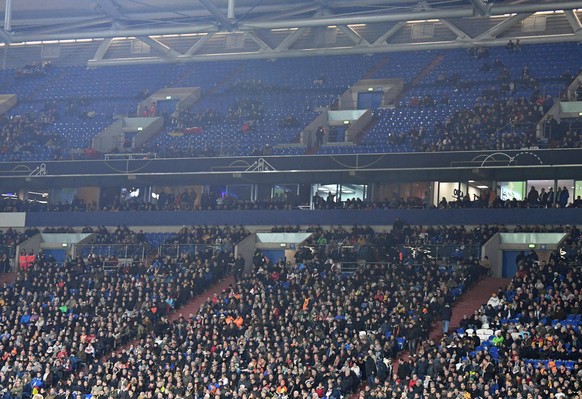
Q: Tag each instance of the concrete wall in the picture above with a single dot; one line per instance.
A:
(247, 249)
(377, 217)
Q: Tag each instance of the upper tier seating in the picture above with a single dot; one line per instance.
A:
(475, 74)
(63, 108)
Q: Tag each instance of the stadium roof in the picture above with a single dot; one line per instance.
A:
(284, 28)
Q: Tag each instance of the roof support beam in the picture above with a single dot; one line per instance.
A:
(292, 12)
(382, 40)
(353, 35)
(8, 16)
(110, 9)
(230, 10)
(103, 47)
(162, 48)
(5, 37)
(361, 19)
(388, 48)
(461, 34)
(534, 7)
(291, 39)
(464, 12)
(255, 38)
(199, 44)
(481, 7)
(76, 25)
(216, 13)
(502, 27)
(118, 32)
(573, 20)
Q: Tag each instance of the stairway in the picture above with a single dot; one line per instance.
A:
(421, 75)
(469, 302)
(375, 68)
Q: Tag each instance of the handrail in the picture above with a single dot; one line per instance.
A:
(123, 251)
(176, 250)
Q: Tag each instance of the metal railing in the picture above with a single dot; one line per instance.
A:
(441, 251)
(119, 251)
(353, 253)
(177, 250)
(130, 156)
(8, 250)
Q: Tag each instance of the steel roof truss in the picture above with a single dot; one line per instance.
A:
(353, 35)
(503, 26)
(383, 40)
(461, 35)
(573, 20)
(196, 47)
(162, 48)
(102, 50)
(255, 38)
(291, 39)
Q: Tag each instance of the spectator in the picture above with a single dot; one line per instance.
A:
(446, 315)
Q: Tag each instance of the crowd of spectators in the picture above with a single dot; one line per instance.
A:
(502, 118)
(496, 123)
(203, 239)
(285, 330)
(534, 349)
(20, 134)
(246, 110)
(499, 119)
(60, 320)
(292, 330)
(33, 69)
(403, 243)
(184, 118)
(187, 200)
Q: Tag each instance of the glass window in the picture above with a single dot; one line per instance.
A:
(448, 190)
(512, 189)
(339, 192)
(242, 192)
(578, 189)
(564, 199)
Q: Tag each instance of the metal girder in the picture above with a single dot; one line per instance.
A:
(255, 38)
(573, 20)
(360, 19)
(102, 50)
(481, 7)
(120, 32)
(110, 9)
(292, 12)
(387, 48)
(353, 35)
(5, 37)
(230, 11)
(160, 26)
(461, 34)
(291, 39)
(382, 40)
(77, 25)
(8, 16)
(199, 44)
(502, 27)
(396, 16)
(216, 13)
(162, 48)
(265, 23)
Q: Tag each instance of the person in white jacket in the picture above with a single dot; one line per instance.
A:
(494, 301)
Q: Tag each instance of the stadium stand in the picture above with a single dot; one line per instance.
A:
(446, 92)
(153, 310)
(62, 328)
